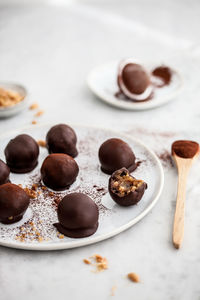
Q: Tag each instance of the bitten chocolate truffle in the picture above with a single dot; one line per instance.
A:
(164, 74)
(22, 154)
(115, 154)
(59, 171)
(134, 81)
(13, 203)
(4, 173)
(78, 216)
(124, 189)
(62, 138)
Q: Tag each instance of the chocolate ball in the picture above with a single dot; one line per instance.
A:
(164, 74)
(134, 81)
(124, 189)
(115, 154)
(59, 171)
(13, 203)
(4, 173)
(22, 154)
(62, 138)
(78, 216)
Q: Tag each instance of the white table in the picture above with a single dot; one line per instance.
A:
(51, 49)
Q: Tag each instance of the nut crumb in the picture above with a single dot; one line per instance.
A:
(31, 193)
(34, 122)
(41, 143)
(113, 290)
(61, 236)
(9, 98)
(100, 262)
(39, 113)
(86, 261)
(34, 106)
(133, 277)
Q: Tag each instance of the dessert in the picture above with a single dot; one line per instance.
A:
(61, 138)
(115, 154)
(134, 80)
(13, 203)
(4, 173)
(78, 216)
(59, 171)
(163, 74)
(124, 189)
(22, 154)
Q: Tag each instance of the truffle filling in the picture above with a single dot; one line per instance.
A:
(122, 184)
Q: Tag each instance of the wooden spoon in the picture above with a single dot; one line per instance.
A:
(184, 153)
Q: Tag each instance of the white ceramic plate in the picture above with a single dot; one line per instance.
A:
(102, 81)
(91, 180)
(17, 108)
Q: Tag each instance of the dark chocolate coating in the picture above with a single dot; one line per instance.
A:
(130, 199)
(13, 203)
(78, 216)
(164, 73)
(4, 173)
(22, 154)
(134, 78)
(59, 171)
(115, 154)
(62, 138)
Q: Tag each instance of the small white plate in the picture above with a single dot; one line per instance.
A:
(6, 112)
(102, 81)
(92, 181)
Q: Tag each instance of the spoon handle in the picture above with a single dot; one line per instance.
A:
(178, 230)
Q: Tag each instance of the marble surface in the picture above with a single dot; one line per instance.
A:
(51, 49)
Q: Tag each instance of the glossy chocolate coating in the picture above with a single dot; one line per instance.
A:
(13, 203)
(22, 154)
(134, 78)
(78, 216)
(115, 154)
(4, 173)
(131, 198)
(59, 171)
(62, 138)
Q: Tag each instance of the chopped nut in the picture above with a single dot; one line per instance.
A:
(61, 236)
(34, 122)
(133, 277)
(34, 187)
(103, 265)
(41, 143)
(44, 188)
(9, 98)
(40, 239)
(86, 261)
(30, 193)
(39, 113)
(98, 258)
(34, 106)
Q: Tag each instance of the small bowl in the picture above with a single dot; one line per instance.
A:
(9, 111)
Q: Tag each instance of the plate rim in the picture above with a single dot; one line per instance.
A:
(82, 242)
(132, 105)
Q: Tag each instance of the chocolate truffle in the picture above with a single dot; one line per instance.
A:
(4, 173)
(164, 74)
(59, 171)
(78, 216)
(61, 138)
(115, 154)
(22, 154)
(13, 203)
(124, 189)
(134, 81)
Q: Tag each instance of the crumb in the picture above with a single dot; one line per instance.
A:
(133, 277)
(86, 261)
(39, 113)
(34, 187)
(41, 143)
(34, 122)
(113, 290)
(34, 106)
(60, 236)
(30, 193)
(44, 188)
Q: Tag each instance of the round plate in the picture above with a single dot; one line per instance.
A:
(102, 81)
(9, 111)
(92, 181)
